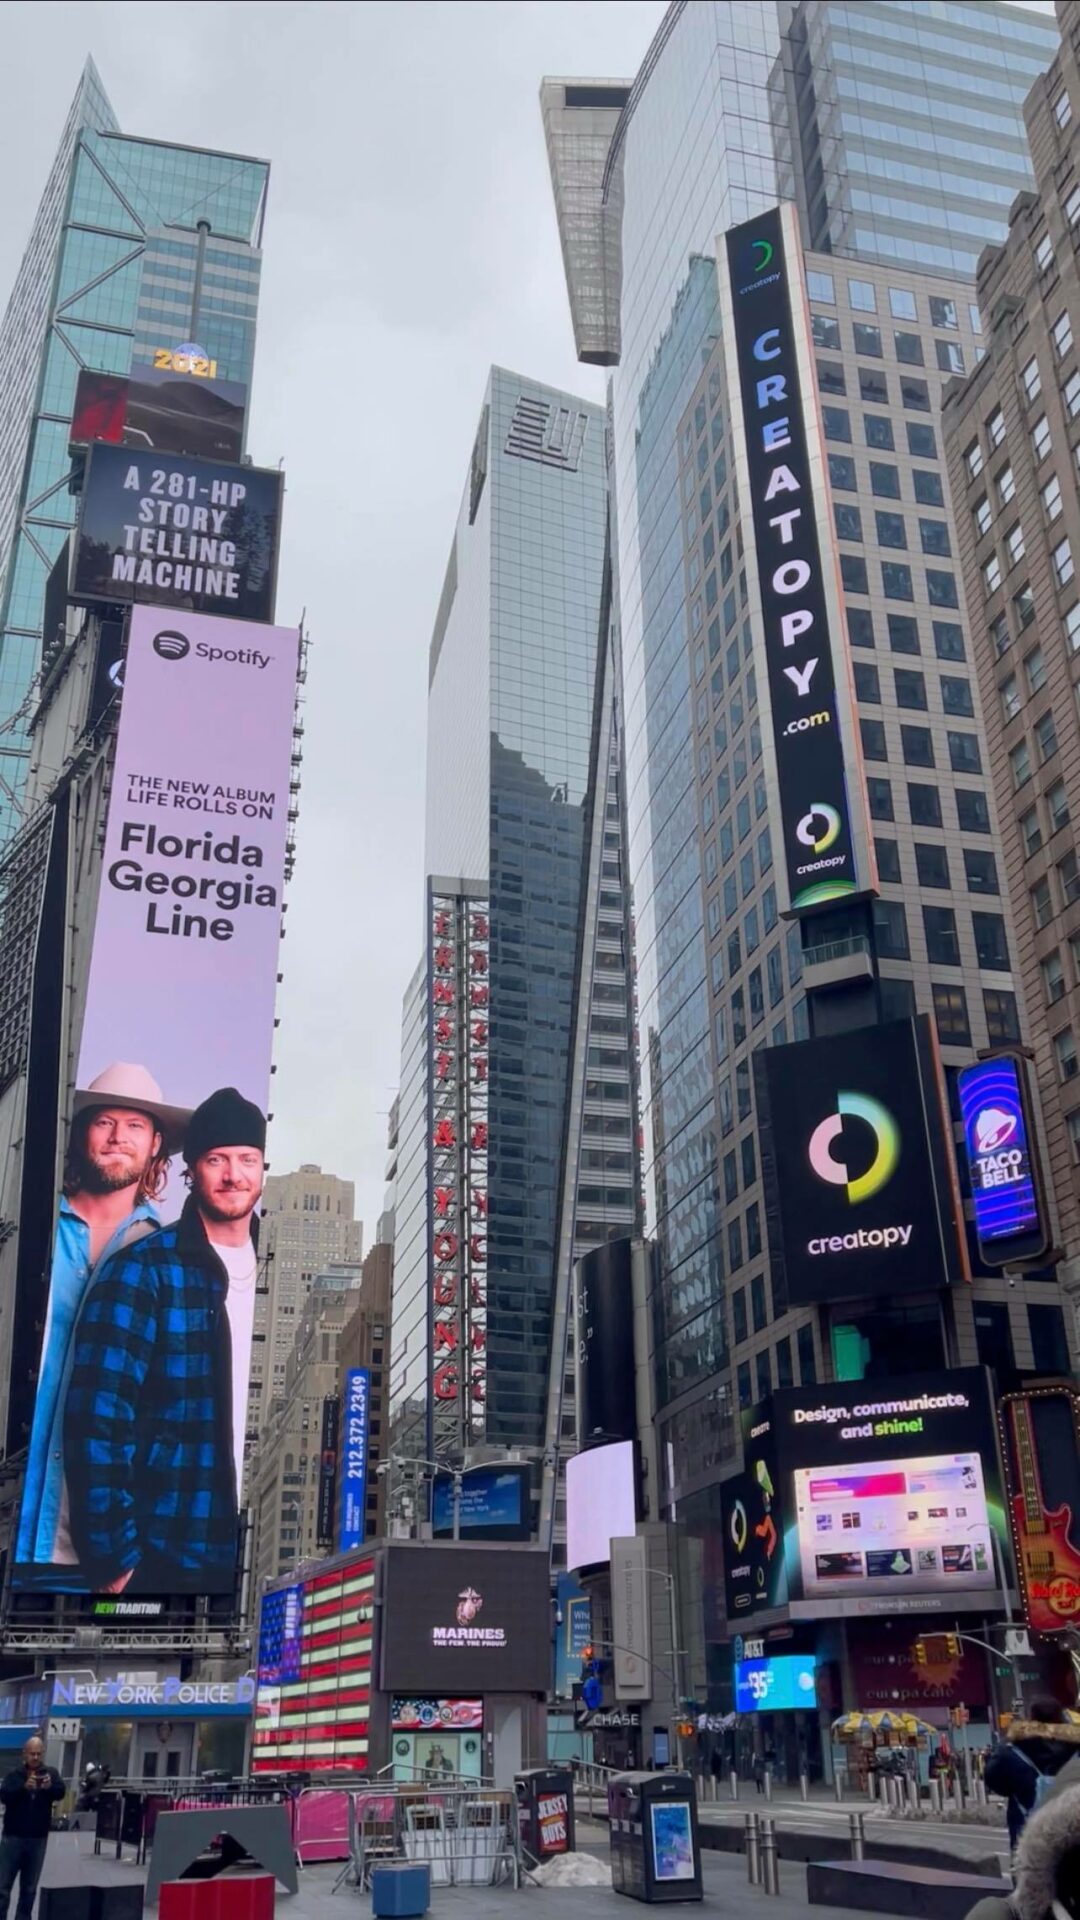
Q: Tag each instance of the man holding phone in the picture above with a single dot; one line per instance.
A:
(27, 1794)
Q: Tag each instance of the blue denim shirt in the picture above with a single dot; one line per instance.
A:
(71, 1276)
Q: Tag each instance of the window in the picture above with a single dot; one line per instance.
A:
(910, 688)
(982, 517)
(995, 428)
(867, 338)
(873, 387)
(956, 696)
(980, 871)
(1035, 670)
(897, 999)
(942, 945)
(1044, 253)
(842, 472)
(943, 312)
(1062, 335)
(951, 1015)
(903, 633)
(915, 393)
(918, 746)
(1002, 1017)
(1020, 765)
(738, 1307)
(1063, 109)
(807, 1368)
(1000, 635)
(1006, 485)
(1069, 879)
(924, 804)
(1014, 543)
(1031, 378)
(1042, 905)
(1072, 1121)
(878, 430)
(1072, 627)
(908, 349)
(1030, 831)
(884, 480)
(860, 626)
(1053, 978)
(949, 355)
(902, 304)
(825, 331)
(941, 588)
(862, 296)
(820, 287)
(991, 575)
(1051, 497)
(879, 796)
(1070, 393)
(867, 686)
(931, 865)
(836, 422)
(929, 491)
(1024, 606)
(873, 739)
(831, 377)
(763, 1375)
(890, 922)
(921, 441)
(888, 861)
(1049, 1344)
(1011, 697)
(785, 1371)
(990, 944)
(890, 529)
(964, 756)
(746, 1391)
(896, 580)
(1057, 802)
(1040, 438)
(1065, 1054)
(1046, 735)
(972, 810)
(1072, 207)
(948, 640)
(853, 573)
(973, 460)
(848, 521)
(1063, 563)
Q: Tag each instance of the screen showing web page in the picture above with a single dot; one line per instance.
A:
(887, 1526)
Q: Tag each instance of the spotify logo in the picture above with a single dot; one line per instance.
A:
(171, 646)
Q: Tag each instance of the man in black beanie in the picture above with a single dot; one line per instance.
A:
(154, 1424)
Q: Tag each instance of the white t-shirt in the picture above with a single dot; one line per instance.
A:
(240, 1263)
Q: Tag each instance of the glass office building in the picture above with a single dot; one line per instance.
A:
(137, 244)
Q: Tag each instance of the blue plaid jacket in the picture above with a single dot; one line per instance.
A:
(148, 1450)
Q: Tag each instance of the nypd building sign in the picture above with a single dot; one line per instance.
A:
(807, 707)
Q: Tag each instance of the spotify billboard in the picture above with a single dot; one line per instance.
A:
(792, 567)
(860, 1182)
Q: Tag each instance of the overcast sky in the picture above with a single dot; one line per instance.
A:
(410, 242)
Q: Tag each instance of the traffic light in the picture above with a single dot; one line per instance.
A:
(952, 1645)
(920, 1653)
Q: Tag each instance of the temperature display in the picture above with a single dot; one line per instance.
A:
(775, 1685)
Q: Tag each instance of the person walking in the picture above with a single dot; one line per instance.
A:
(1021, 1770)
(759, 1779)
(27, 1793)
(1047, 1866)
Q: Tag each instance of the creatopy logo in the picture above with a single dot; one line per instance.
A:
(993, 1129)
(886, 1146)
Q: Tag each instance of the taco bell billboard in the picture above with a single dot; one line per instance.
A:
(136, 1447)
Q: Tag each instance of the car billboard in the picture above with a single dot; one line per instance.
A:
(158, 408)
(137, 1439)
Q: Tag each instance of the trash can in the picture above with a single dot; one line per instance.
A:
(545, 1799)
(653, 1829)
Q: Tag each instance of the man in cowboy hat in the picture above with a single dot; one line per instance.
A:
(154, 1421)
(122, 1135)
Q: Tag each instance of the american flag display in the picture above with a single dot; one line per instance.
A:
(314, 1696)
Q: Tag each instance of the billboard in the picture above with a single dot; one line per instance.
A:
(604, 1316)
(808, 708)
(775, 1683)
(157, 408)
(466, 1620)
(494, 1504)
(885, 1496)
(861, 1189)
(178, 531)
(573, 1633)
(137, 1439)
(328, 1469)
(601, 1501)
(313, 1698)
(1040, 1438)
(1010, 1218)
(355, 1425)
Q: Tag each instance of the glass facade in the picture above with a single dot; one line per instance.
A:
(116, 266)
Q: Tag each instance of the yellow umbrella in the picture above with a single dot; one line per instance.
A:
(884, 1720)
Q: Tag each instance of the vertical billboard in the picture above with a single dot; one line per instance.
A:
(1006, 1191)
(355, 1426)
(137, 1441)
(808, 707)
(604, 1317)
(328, 1471)
(1040, 1437)
(860, 1182)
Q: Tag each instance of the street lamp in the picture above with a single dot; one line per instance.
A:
(433, 1467)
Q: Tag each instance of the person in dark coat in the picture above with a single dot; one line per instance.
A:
(1015, 1768)
(1047, 1866)
(28, 1794)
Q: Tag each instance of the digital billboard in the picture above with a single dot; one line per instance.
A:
(861, 1191)
(601, 1501)
(1040, 1435)
(313, 1701)
(604, 1325)
(1010, 1219)
(465, 1620)
(328, 1470)
(355, 1427)
(775, 1683)
(807, 703)
(157, 408)
(137, 1440)
(179, 531)
(493, 1504)
(886, 1493)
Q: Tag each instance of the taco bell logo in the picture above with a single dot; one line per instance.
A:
(993, 1129)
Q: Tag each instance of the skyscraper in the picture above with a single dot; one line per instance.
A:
(720, 975)
(137, 245)
(516, 1028)
(309, 1223)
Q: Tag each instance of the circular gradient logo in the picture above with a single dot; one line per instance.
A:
(819, 828)
(171, 646)
(762, 252)
(886, 1148)
(740, 1527)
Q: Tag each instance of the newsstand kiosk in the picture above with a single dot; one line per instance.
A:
(653, 1825)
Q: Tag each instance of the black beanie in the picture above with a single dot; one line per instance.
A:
(226, 1119)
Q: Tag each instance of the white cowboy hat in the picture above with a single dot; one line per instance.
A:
(123, 1085)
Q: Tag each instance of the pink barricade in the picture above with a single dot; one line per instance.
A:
(321, 1824)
